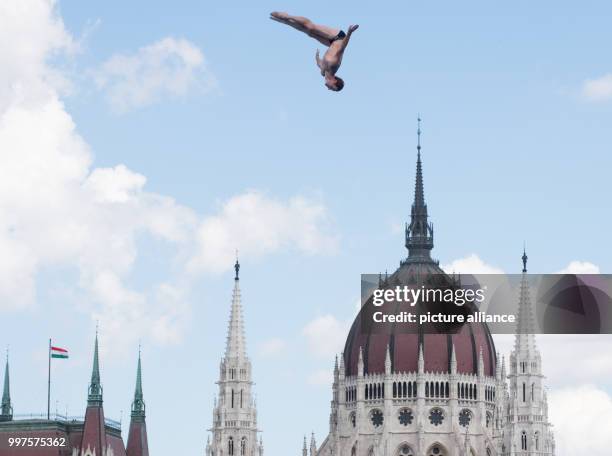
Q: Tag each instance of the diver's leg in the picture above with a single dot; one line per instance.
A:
(323, 34)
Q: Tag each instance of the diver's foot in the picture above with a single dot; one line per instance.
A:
(279, 16)
(352, 28)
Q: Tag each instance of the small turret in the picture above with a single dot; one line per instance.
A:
(313, 445)
(388, 361)
(342, 367)
(360, 365)
(421, 363)
(137, 438)
(6, 410)
(94, 434)
(95, 386)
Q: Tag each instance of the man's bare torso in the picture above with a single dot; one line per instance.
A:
(332, 59)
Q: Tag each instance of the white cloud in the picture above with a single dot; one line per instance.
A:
(326, 335)
(35, 33)
(58, 212)
(257, 225)
(580, 267)
(471, 264)
(599, 89)
(168, 68)
(272, 347)
(583, 418)
(321, 377)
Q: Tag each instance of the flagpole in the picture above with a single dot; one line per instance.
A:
(49, 384)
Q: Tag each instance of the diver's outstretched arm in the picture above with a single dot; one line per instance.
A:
(345, 41)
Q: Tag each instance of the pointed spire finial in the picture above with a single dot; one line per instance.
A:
(419, 134)
(138, 405)
(95, 387)
(419, 233)
(236, 343)
(6, 409)
(524, 258)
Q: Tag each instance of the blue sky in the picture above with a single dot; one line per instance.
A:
(514, 148)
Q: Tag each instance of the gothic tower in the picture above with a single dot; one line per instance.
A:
(137, 444)
(527, 431)
(94, 433)
(6, 410)
(234, 430)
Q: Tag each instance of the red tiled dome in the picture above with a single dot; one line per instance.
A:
(404, 343)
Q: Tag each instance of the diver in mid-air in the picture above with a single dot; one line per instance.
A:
(336, 41)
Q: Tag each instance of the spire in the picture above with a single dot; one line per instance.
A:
(421, 361)
(525, 330)
(313, 445)
(419, 234)
(94, 434)
(388, 360)
(480, 364)
(453, 360)
(137, 444)
(236, 344)
(360, 364)
(6, 411)
(95, 387)
(138, 406)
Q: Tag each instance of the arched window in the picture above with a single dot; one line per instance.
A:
(436, 450)
(230, 446)
(533, 391)
(232, 398)
(243, 444)
(524, 392)
(537, 441)
(405, 450)
(523, 440)
(240, 398)
(394, 389)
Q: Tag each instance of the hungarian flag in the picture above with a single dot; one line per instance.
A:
(57, 352)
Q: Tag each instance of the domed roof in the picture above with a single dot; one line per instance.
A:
(405, 339)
